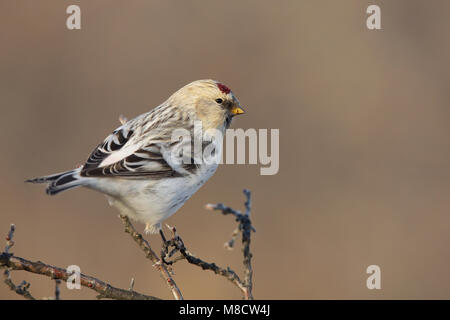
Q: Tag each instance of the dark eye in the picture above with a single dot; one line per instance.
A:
(219, 101)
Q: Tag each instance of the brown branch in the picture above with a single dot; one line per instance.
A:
(150, 254)
(105, 290)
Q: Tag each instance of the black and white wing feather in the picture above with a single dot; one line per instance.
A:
(137, 152)
(111, 144)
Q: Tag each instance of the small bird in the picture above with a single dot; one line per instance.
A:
(135, 165)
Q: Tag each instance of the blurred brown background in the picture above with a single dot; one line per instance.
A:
(364, 127)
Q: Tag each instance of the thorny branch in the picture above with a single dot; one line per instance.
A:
(163, 264)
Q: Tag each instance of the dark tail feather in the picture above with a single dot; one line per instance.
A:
(60, 181)
(46, 178)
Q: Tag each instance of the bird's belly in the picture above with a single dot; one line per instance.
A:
(153, 201)
(173, 193)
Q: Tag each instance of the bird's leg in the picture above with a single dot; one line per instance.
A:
(163, 237)
(165, 247)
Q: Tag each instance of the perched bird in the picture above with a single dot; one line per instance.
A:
(134, 166)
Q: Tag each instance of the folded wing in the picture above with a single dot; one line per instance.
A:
(123, 154)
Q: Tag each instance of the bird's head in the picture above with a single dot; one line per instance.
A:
(210, 101)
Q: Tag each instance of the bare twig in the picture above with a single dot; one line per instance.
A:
(21, 289)
(245, 226)
(229, 274)
(247, 229)
(150, 254)
(9, 261)
(57, 290)
(248, 203)
(9, 238)
(104, 289)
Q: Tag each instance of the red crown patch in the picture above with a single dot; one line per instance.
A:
(223, 88)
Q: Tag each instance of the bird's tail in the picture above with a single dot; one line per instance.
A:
(60, 181)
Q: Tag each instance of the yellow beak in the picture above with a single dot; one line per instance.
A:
(237, 110)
